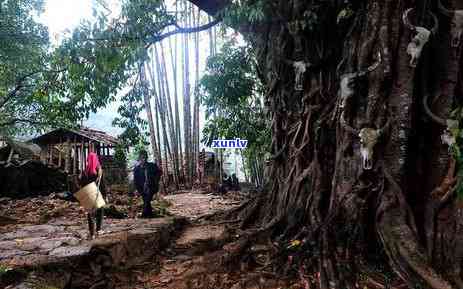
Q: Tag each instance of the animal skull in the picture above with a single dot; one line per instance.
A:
(299, 69)
(416, 45)
(457, 24)
(368, 139)
(447, 138)
(347, 85)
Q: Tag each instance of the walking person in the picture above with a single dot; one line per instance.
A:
(146, 179)
(93, 173)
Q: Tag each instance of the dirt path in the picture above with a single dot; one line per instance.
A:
(198, 256)
(195, 259)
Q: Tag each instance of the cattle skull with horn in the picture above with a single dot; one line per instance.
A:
(369, 137)
(457, 23)
(416, 45)
(446, 136)
(347, 85)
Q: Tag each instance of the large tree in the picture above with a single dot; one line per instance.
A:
(359, 168)
(24, 75)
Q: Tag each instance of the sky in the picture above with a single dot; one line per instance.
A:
(62, 16)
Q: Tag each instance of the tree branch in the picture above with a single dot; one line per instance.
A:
(20, 85)
(14, 121)
(211, 7)
(153, 39)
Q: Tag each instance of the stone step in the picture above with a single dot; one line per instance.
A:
(59, 254)
(196, 240)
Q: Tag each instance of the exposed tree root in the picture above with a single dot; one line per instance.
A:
(398, 234)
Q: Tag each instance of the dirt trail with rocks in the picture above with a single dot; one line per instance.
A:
(43, 245)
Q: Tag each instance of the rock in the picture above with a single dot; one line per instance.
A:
(70, 251)
(182, 258)
(7, 245)
(114, 213)
(54, 247)
(5, 220)
(4, 200)
(7, 254)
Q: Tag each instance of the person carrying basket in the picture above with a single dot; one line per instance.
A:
(94, 173)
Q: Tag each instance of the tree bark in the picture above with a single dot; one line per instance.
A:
(149, 113)
(404, 207)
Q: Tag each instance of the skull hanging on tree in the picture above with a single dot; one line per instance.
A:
(416, 45)
(348, 81)
(369, 137)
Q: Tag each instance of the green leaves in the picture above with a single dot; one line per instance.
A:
(241, 12)
(344, 14)
(232, 97)
(454, 136)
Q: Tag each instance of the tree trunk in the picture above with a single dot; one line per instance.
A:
(196, 19)
(170, 118)
(186, 104)
(149, 113)
(177, 126)
(403, 209)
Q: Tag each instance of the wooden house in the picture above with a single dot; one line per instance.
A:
(68, 149)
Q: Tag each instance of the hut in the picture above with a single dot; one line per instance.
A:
(67, 149)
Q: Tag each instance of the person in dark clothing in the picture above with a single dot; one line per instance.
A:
(93, 173)
(235, 182)
(146, 178)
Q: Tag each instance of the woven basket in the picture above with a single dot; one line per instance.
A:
(90, 197)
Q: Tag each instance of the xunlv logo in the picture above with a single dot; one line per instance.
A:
(224, 143)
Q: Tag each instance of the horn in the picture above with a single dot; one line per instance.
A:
(372, 67)
(375, 65)
(382, 130)
(406, 21)
(444, 10)
(346, 126)
(428, 111)
(435, 28)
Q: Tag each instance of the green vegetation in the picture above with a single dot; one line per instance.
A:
(120, 155)
(455, 134)
(4, 269)
(26, 79)
(43, 87)
(233, 99)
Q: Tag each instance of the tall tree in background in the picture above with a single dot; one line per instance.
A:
(196, 19)
(177, 126)
(172, 130)
(149, 112)
(356, 109)
(186, 100)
